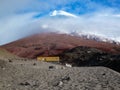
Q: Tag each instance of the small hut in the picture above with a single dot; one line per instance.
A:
(49, 59)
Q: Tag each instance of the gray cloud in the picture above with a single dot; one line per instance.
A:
(10, 7)
(14, 27)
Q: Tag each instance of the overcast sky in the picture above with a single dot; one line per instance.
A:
(20, 18)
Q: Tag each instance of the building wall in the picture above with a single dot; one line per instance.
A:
(48, 59)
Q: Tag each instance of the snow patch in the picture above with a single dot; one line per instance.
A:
(94, 37)
(61, 12)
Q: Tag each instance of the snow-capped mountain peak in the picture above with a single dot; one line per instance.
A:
(63, 13)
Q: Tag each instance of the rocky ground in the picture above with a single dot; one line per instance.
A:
(36, 75)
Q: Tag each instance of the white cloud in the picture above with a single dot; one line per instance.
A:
(102, 24)
(16, 19)
(17, 26)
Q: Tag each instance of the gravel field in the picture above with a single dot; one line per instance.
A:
(36, 75)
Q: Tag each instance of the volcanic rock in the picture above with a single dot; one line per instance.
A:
(86, 56)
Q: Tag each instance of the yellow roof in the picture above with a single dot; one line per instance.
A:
(48, 58)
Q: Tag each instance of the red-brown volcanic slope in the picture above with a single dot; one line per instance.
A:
(49, 44)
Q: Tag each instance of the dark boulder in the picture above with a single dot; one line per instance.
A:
(86, 56)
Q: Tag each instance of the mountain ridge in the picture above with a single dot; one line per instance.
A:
(50, 44)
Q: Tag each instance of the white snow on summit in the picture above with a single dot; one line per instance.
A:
(61, 12)
(94, 37)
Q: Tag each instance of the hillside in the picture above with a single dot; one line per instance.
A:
(6, 55)
(50, 44)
